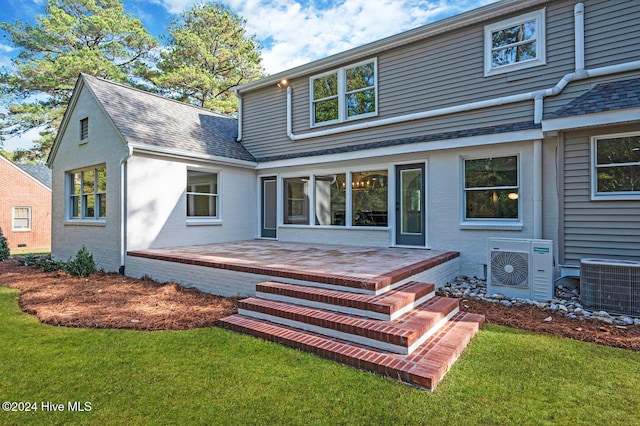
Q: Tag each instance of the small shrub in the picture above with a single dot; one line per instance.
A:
(4, 247)
(82, 265)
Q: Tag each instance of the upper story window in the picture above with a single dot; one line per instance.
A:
(515, 43)
(21, 218)
(616, 166)
(84, 129)
(491, 189)
(344, 94)
(202, 195)
(87, 193)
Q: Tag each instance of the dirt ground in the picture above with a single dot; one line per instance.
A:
(115, 301)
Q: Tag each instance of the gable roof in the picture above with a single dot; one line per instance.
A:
(602, 98)
(145, 120)
(40, 172)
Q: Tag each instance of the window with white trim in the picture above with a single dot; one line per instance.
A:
(616, 166)
(515, 43)
(22, 218)
(344, 94)
(491, 188)
(296, 200)
(202, 195)
(87, 193)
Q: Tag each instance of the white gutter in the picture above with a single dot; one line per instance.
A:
(123, 200)
(537, 189)
(239, 138)
(578, 18)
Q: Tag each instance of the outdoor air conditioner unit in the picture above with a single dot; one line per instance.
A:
(610, 285)
(520, 268)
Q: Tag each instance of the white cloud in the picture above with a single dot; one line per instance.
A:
(5, 56)
(294, 32)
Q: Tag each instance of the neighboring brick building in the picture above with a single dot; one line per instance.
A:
(25, 206)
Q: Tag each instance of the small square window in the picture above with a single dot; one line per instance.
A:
(515, 44)
(202, 195)
(616, 166)
(22, 218)
(84, 129)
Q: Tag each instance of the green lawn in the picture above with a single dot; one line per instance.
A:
(212, 376)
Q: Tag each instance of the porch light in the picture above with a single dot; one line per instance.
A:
(513, 196)
(283, 83)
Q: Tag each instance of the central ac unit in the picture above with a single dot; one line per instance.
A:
(520, 268)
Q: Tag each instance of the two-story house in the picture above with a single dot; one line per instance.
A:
(519, 119)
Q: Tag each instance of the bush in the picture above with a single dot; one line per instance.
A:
(82, 265)
(40, 261)
(4, 247)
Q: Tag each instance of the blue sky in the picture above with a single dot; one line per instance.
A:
(291, 32)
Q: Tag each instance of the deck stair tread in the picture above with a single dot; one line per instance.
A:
(402, 332)
(424, 368)
(387, 305)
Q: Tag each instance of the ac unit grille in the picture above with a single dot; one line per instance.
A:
(510, 268)
(610, 285)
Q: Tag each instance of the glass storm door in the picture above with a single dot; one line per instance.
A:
(410, 217)
(269, 207)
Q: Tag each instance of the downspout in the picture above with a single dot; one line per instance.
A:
(123, 214)
(537, 189)
(239, 138)
(578, 15)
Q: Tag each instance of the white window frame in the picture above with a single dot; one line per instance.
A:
(595, 195)
(540, 59)
(14, 217)
(311, 193)
(490, 223)
(342, 94)
(70, 195)
(216, 199)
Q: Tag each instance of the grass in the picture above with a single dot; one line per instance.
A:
(212, 376)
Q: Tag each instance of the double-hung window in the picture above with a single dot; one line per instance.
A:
(491, 188)
(88, 193)
(616, 166)
(515, 43)
(202, 195)
(21, 219)
(344, 94)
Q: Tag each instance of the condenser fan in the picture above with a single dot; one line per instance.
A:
(510, 268)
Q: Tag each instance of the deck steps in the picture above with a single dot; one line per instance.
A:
(424, 368)
(406, 333)
(387, 306)
(399, 336)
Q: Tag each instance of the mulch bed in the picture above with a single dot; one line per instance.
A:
(115, 301)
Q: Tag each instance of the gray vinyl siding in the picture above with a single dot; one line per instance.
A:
(443, 71)
(611, 37)
(601, 229)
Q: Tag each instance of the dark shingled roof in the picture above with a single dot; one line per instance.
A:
(39, 171)
(147, 119)
(603, 97)
(514, 127)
